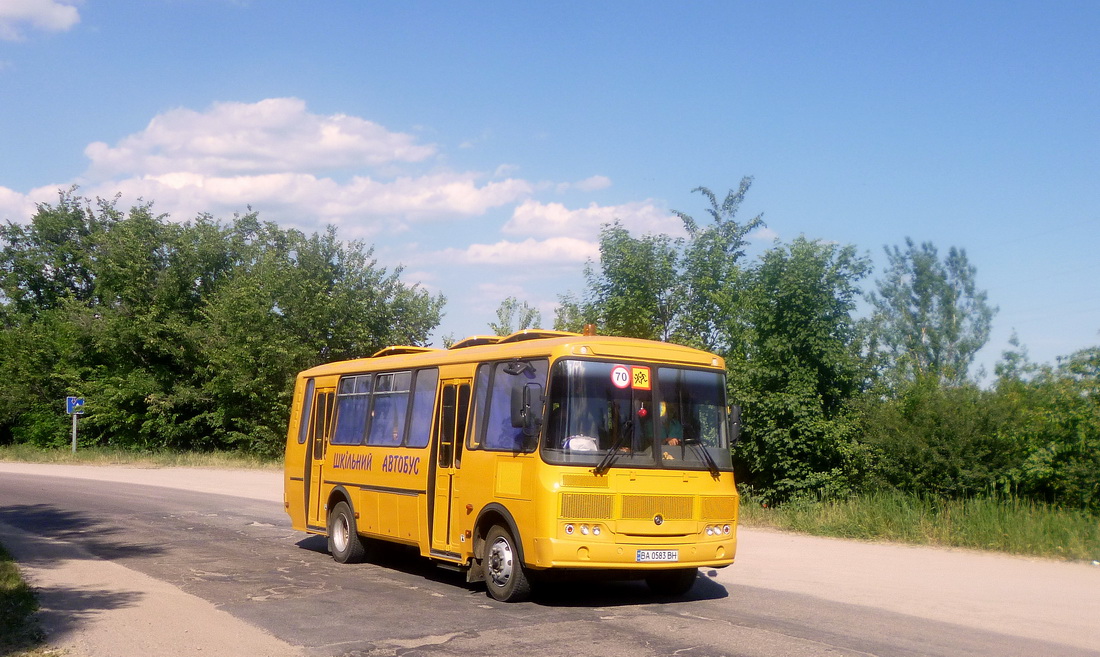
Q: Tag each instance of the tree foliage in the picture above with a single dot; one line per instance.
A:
(784, 326)
(797, 371)
(187, 336)
(514, 316)
(712, 272)
(663, 288)
(181, 335)
(930, 319)
(807, 373)
(1035, 433)
(945, 441)
(1057, 428)
(634, 290)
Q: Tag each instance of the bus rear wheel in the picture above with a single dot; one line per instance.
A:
(671, 582)
(504, 574)
(344, 542)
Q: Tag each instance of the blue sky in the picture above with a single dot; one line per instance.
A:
(480, 145)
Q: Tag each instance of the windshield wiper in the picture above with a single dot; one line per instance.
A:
(711, 464)
(613, 453)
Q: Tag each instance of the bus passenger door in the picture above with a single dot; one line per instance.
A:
(450, 428)
(320, 433)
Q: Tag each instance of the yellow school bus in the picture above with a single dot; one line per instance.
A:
(514, 458)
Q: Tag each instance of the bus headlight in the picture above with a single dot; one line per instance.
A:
(569, 529)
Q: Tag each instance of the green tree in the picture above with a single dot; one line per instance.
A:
(1057, 426)
(572, 313)
(51, 258)
(182, 335)
(635, 289)
(514, 316)
(663, 288)
(930, 319)
(784, 326)
(711, 273)
(797, 371)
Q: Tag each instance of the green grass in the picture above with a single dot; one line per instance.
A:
(109, 456)
(996, 524)
(19, 632)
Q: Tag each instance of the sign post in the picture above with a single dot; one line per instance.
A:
(74, 406)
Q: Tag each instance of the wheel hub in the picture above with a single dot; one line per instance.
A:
(500, 562)
(340, 534)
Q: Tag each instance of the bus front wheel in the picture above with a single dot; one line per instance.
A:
(671, 582)
(504, 574)
(343, 539)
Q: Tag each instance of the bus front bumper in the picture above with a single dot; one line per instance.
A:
(657, 554)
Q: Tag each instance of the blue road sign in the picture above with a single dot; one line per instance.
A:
(74, 405)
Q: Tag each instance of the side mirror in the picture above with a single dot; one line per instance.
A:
(735, 424)
(527, 408)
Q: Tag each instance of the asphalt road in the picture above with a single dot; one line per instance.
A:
(231, 572)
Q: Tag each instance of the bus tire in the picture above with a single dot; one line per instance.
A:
(504, 574)
(344, 542)
(671, 582)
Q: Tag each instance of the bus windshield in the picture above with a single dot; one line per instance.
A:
(627, 415)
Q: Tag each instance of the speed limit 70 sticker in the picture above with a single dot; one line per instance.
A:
(630, 377)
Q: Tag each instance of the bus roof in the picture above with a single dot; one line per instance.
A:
(523, 344)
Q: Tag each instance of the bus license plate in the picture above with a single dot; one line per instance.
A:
(658, 555)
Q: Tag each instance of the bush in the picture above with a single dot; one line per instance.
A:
(942, 441)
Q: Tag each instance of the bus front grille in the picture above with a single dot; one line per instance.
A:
(641, 507)
(720, 508)
(586, 506)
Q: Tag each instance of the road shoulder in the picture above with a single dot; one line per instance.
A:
(93, 607)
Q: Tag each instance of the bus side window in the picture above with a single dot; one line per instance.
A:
(446, 426)
(462, 415)
(391, 400)
(499, 432)
(351, 410)
(477, 418)
(321, 417)
(307, 407)
(423, 401)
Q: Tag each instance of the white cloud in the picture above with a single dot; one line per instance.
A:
(46, 15)
(273, 156)
(549, 219)
(568, 251)
(15, 207)
(362, 206)
(273, 135)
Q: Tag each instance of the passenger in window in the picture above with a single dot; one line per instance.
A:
(586, 431)
(674, 430)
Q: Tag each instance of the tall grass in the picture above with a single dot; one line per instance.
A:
(18, 630)
(1011, 525)
(114, 456)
